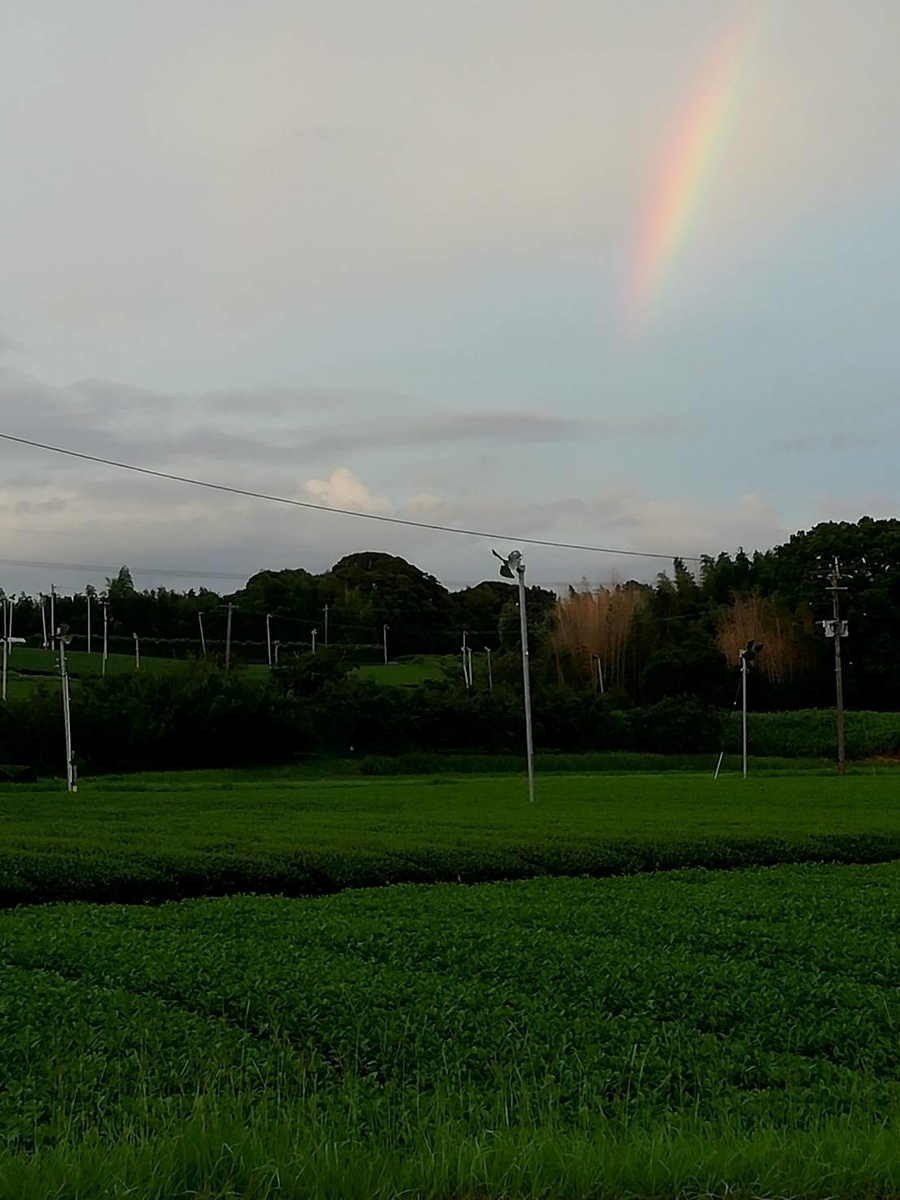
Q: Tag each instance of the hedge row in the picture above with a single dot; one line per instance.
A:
(205, 717)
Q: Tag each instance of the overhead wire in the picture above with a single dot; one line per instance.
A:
(407, 522)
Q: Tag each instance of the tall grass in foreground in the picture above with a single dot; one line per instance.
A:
(222, 1153)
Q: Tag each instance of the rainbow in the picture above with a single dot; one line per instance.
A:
(688, 164)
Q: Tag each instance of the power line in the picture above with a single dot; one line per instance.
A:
(347, 512)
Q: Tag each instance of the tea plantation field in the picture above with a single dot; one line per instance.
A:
(165, 837)
(697, 1033)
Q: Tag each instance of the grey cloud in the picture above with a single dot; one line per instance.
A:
(123, 422)
(838, 440)
(54, 505)
(285, 401)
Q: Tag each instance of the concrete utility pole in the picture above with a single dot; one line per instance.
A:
(202, 634)
(8, 640)
(53, 606)
(326, 624)
(137, 652)
(88, 622)
(384, 635)
(465, 658)
(44, 641)
(269, 638)
(487, 651)
(228, 638)
(837, 629)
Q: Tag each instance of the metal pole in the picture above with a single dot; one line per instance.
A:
(7, 614)
(384, 634)
(137, 652)
(9, 642)
(269, 638)
(465, 659)
(202, 634)
(326, 624)
(53, 606)
(105, 636)
(471, 671)
(600, 673)
(88, 622)
(67, 716)
(490, 672)
(228, 639)
(314, 634)
(526, 679)
(43, 622)
(744, 712)
(838, 672)
(277, 648)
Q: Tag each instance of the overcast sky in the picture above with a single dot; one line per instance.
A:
(378, 256)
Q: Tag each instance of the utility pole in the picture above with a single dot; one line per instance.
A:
(269, 639)
(465, 658)
(326, 624)
(44, 641)
(53, 606)
(202, 634)
(471, 671)
(384, 635)
(487, 651)
(315, 634)
(137, 652)
(88, 622)
(228, 639)
(837, 629)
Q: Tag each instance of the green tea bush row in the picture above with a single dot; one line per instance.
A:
(739, 999)
(147, 877)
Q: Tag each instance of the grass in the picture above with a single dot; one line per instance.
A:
(691, 1034)
(46, 662)
(614, 761)
(150, 838)
(401, 674)
(38, 662)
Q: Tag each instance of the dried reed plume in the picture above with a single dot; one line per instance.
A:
(762, 620)
(594, 624)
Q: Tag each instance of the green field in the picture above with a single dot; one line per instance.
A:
(589, 1018)
(402, 674)
(173, 836)
(44, 664)
(692, 1034)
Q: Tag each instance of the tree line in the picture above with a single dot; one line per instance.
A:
(637, 642)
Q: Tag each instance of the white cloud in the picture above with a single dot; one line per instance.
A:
(343, 489)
